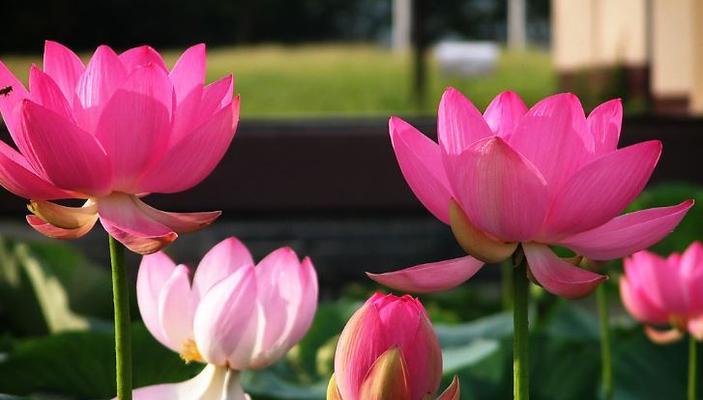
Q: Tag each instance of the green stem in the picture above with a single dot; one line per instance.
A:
(123, 340)
(521, 286)
(692, 364)
(506, 275)
(605, 344)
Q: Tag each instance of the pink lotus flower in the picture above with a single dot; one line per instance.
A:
(666, 291)
(231, 314)
(538, 177)
(388, 350)
(110, 133)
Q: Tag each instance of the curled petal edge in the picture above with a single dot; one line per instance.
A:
(667, 336)
(62, 216)
(179, 222)
(55, 232)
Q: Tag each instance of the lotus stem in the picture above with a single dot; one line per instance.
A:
(123, 339)
(506, 275)
(692, 368)
(605, 344)
(521, 366)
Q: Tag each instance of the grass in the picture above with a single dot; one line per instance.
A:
(349, 80)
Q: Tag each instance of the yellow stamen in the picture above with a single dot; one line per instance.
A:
(190, 353)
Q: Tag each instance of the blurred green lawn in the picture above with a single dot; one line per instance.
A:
(314, 80)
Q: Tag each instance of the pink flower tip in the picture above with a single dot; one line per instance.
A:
(547, 176)
(112, 131)
(665, 291)
(388, 341)
(226, 314)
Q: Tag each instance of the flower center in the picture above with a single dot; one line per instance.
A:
(189, 352)
(678, 322)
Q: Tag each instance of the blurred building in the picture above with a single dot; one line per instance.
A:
(652, 50)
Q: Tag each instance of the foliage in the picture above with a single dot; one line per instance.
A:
(34, 292)
(72, 357)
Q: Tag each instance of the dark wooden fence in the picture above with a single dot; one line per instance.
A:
(328, 166)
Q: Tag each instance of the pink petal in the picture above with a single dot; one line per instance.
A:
(220, 262)
(64, 67)
(192, 159)
(216, 96)
(430, 277)
(188, 77)
(284, 312)
(558, 276)
(407, 326)
(154, 271)
(626, 234)
(54, 232)
(179, 222)
(175, 309)
(692, 276)
(70, 157)
(388, 378)
(424, 361)
(504, 113)
(101, 78)
(554, 137)
(124, 220)
(10, 104)
(288, 308)
(672, 285)
(199, 106)
(420, 161)
(280, 301)
(186, 115)
(459, 123)
(362, 341)
(604, 123)
(499, 190)
(643, 271)
(135, 124)
(695, 328)
(189, 71)
(223, 313)
(602, 189)
(142, 56)
(639, 305)
(17, 176)
(307, 306)
(249, 352)
(44, 91)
